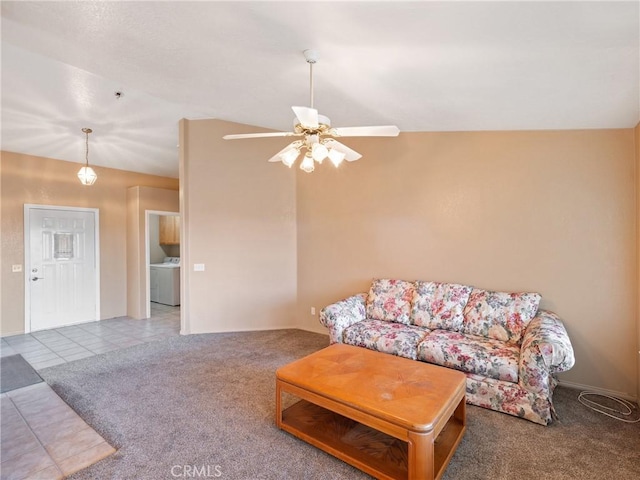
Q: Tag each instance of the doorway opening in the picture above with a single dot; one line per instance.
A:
(162, 239)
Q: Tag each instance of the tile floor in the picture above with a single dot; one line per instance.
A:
(47, 348)
(41, 436)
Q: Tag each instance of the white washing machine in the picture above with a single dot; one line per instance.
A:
(164, 280)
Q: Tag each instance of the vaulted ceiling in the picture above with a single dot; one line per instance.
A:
(424, 66)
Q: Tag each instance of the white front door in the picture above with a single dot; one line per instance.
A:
(61, 273)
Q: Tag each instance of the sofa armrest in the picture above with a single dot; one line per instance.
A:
(340, 315)
(546, 350)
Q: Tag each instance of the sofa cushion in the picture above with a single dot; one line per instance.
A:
(499, 315)
(471, 354)
(390, 300)
(387, 337)
(439, 305)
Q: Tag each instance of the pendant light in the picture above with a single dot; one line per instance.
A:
(86, 174)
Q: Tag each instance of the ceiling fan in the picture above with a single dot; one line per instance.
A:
(318, 137)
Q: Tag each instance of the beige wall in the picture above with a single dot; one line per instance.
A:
(156, 252)
(637, 141)
(549, 211)
(238, 219)
(37, 180)
(139, 200)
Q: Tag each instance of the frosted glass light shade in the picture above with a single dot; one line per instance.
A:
(336, 157)
(319, 152)
(290, 156)
(87, 176)
(307, 163)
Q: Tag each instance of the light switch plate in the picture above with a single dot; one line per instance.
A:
(16, 268)
(198, 267)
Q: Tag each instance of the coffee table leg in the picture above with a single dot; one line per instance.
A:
(420, 456)
(278, 404)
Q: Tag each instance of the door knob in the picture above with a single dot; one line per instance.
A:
(33, 279)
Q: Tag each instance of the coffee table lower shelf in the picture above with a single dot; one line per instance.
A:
(372, 451)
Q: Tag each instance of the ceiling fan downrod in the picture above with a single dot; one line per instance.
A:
(312, 57)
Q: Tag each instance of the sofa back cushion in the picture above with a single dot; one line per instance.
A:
(390, 300)
(500, 315)
(439, 306)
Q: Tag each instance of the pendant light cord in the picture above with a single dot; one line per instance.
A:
(86, 157)
(87, 131)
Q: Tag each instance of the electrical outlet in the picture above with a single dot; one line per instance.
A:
(198, 267)
(16, 268)
(313, 310)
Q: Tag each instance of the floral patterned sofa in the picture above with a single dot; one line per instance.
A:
(508, 348)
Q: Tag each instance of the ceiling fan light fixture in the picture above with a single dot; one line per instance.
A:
(336, 157)
(317, 137)
(289, 156)
(86, 175)
(307, 163)
(319, 152)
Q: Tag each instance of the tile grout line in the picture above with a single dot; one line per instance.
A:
(98, 337)
(114, 331)
(37, 439)
(45, 346)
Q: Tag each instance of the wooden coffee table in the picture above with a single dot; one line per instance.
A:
(390, 417)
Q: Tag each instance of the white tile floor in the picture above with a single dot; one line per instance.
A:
(47, 348)
(42, 437)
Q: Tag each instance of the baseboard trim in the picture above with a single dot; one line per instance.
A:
(321, 330)
(603, 391)
(240, 330)
(11, 334)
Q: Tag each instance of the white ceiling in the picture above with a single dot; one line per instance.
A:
(424, 66)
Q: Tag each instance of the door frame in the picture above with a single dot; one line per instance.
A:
(147, 254)
(27, 254)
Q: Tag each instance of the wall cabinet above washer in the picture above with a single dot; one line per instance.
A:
(169, 230)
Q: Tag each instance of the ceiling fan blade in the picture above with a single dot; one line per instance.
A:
(258, 135)
(308, 116)
(379, 131)
(349, 154)
(277, 158)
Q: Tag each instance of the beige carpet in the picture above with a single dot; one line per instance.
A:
(207, 402)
